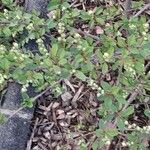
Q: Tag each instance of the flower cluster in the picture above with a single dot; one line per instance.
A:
(41, 46)
(24, 87)
(2, 50)
(6, 13)
(129, 68)
(90, 12)
(125, 144)
(30, 26)
(61, 31)
(77, 40)
(132, 26)
(94, 86)
(17, 55)
(145, 129)
(106, 57)
(106, 140)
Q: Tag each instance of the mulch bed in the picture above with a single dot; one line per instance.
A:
(66, 121)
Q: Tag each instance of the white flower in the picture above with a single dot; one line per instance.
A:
(41, 63)
(39, 41)
(59, 39)
(18, 17)
(98, 94)
(126, 122)
(129, 126)
(79, 47)
(77, 35)
(83, 49)
(73, 71)
(138, 128)
(63, 35)
(60, 31)
(143, 33)
(132, 26)
(102, 92)
(15, 58)
(107, 25)
(118, 33)
(15, 44)
(90, 12)
(133, 125)
(124, 144)
(24, 89)
(5, 76)
(148, 128)
(108, 142)
(106, 56)
(146, 25)
(54, 17)
(60, 24)
(128, 144)
(145, 38)
(63, 8)
(132, 143)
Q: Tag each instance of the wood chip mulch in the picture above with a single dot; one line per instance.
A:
(66, 121)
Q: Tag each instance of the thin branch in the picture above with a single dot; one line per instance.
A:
(29, 144)
(147, 67)
(142, 10)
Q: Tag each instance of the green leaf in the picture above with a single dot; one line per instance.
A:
(120, 124)
(7, 2)
(54, 50)
(5, 64)
(50, 24)
(128, 111)
(111, 133)
(80, 75)
(104, 68)
(145, 50)
(108, 102)
(53, 4)
(7, 31)
(147, 112)
(105, 85)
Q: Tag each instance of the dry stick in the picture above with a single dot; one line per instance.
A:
(32, 135)
(147, 67)
(132, 97)
(142, 10)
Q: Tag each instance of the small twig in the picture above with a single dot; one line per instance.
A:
(132, 97)
(32, 135)
(142, 10)
(147, 67)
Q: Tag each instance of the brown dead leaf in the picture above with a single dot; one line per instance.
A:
(55, 105)
(47, 135)
(61, 116)
(66, 96)
(63, 123)
(60, 111)
(67, 82)
(75, 98)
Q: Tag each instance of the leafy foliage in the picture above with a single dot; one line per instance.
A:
(79, 54)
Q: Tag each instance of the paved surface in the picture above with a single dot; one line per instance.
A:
(15, 132)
